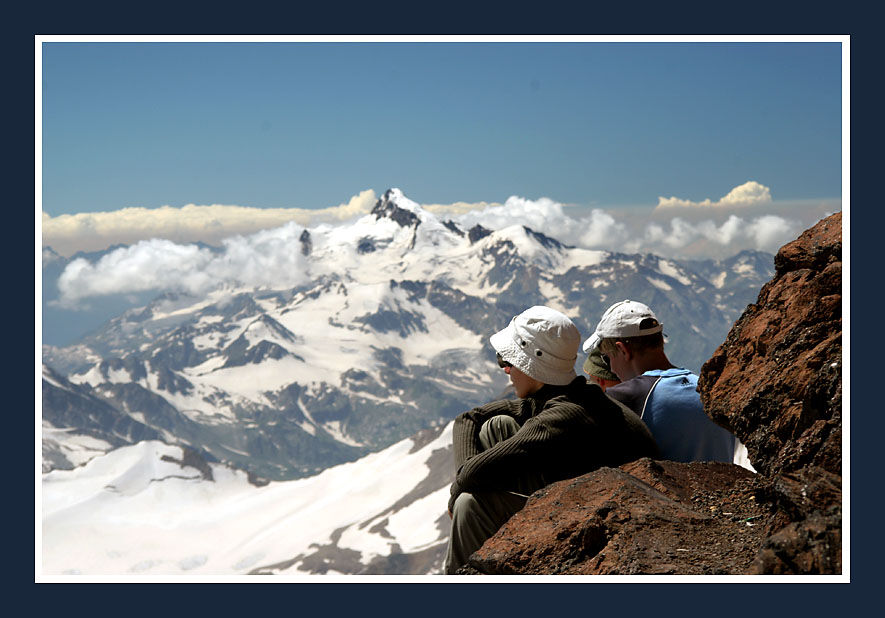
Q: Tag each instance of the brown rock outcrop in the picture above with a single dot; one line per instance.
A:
(647, 517)
(776, 383)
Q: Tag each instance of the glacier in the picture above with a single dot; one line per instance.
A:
(140, 510)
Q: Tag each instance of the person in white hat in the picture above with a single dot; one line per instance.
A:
(630, 339)
(560, 427)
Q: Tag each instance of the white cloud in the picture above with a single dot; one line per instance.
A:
(268, 258)
(726, 233)
(629, 232)
(540, 215)
(543, 215)
(682, 233)
(600, 230)
(771, 231)
(748, 194)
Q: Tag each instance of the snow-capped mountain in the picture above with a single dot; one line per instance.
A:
(737, 279)
(385, 335)
(153, 509)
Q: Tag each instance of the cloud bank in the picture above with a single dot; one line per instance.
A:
(697, 232)
(267, 258)
(701, 239)
(272, 257)
(91, 231)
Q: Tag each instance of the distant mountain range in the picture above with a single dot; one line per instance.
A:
(388, 337)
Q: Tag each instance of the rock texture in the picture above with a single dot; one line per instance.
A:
(776, 383)
(647, 517)
(777, 378)
(790, 414)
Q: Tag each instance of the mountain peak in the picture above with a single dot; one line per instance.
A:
(396, 206)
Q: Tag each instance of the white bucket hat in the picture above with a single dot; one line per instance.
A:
(541, 343)
(623, 320)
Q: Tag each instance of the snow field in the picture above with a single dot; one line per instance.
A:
(131, 513)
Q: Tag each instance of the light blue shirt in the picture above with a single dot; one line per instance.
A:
(675, 415)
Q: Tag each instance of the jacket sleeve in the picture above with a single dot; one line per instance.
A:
(499, 466)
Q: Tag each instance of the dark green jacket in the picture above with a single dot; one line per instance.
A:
(565, 431)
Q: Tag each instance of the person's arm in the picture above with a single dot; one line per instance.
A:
(537, 439)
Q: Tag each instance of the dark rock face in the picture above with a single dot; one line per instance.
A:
(776, 382)
(387, 320)
(477, 232)
(470, 312)
(306, 243)
(387, 207)
(543, 240)
(451, 225)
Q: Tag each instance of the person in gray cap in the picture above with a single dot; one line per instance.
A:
(630, 339)
(560, 427)
(596, 366)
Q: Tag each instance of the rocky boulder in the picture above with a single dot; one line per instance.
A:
(647, 517)
(776, 383)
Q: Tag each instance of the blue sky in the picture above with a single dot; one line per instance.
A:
(308, 125)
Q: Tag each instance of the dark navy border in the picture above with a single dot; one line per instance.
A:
(440, 598)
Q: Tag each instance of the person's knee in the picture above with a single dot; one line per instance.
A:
(497, 429)
(502, 422)
(464, 503)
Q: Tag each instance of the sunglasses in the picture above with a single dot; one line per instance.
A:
(501, 362)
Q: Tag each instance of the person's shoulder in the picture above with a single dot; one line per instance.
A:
(574, 394)
(675, 377)
(584, 396)
(494, 407)
(672, 372)
(632, 392)
(641, 382)
(620, 387)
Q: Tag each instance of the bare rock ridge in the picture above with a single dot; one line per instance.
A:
(776, 383)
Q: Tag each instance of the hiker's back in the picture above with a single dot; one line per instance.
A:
(669, 404)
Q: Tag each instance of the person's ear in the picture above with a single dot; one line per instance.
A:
(623, 350)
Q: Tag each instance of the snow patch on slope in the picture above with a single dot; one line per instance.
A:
(138, 511)
(670, 269)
